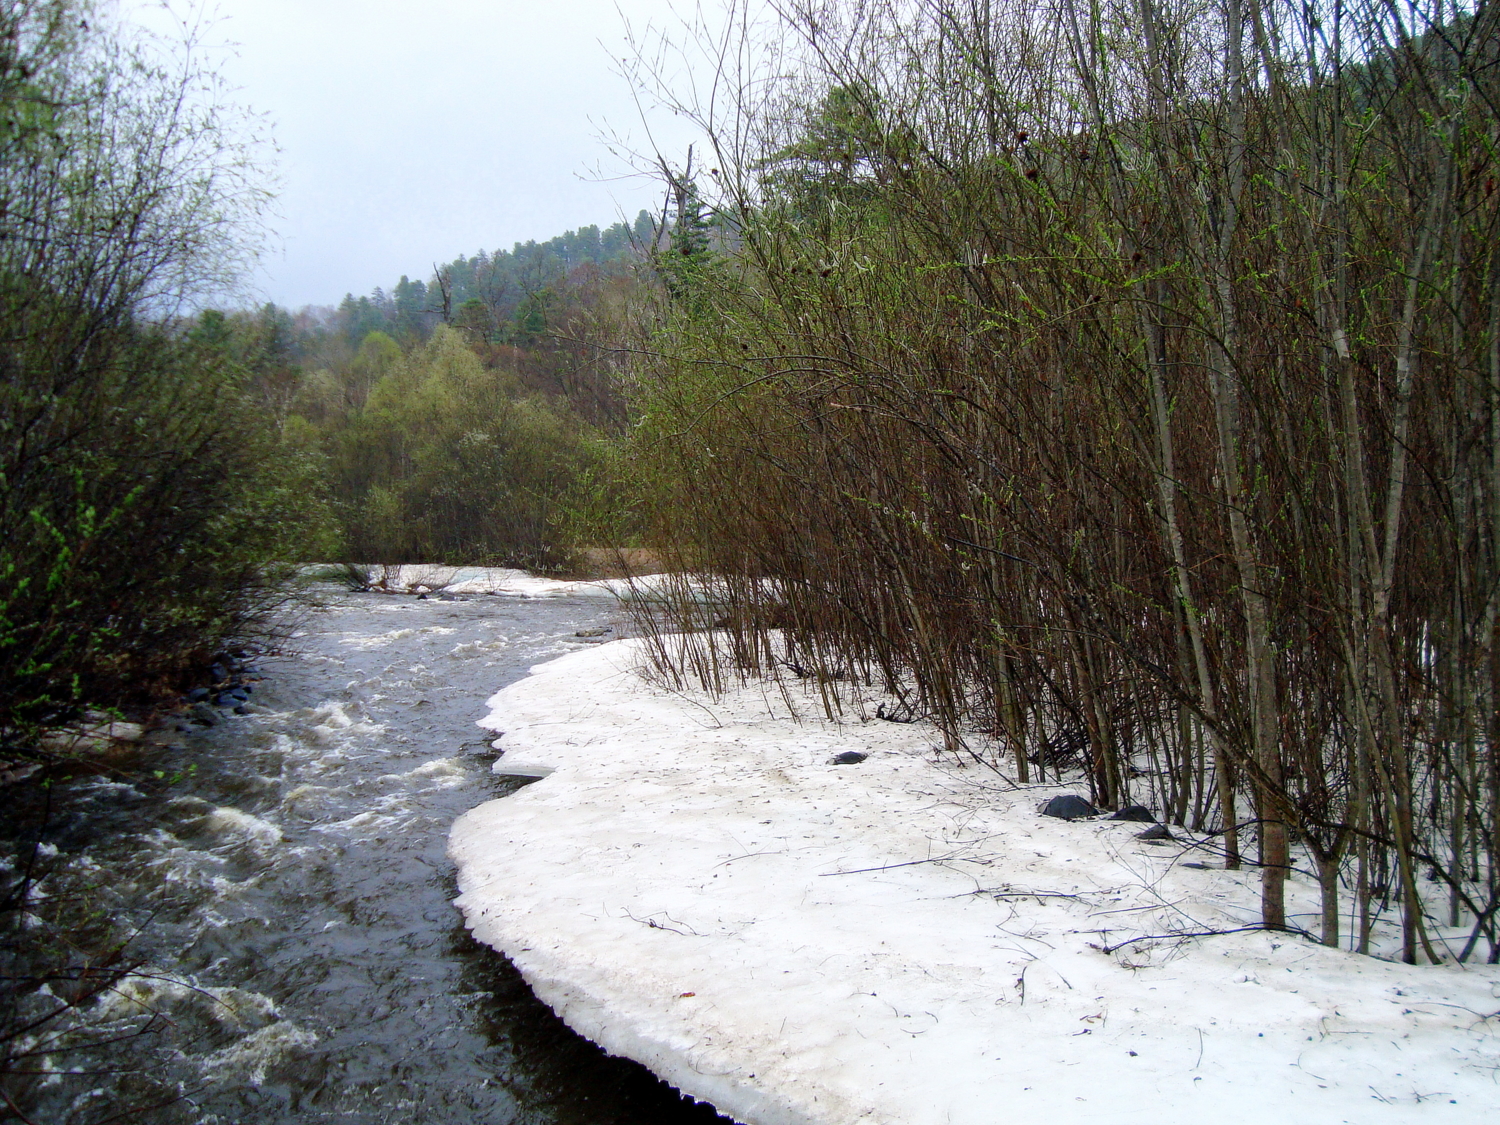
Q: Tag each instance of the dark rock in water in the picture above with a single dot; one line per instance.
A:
(226, 699)
(849, 758)
(1138, 813)
(238, 693)
(421, 597)
(592, 632)
(242, 710)
(1157, 833)
(1069, 807)
(197, 695)
(203, 713)
(219, 673)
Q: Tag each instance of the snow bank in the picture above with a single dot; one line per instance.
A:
(423, 578)
(503, 580)
(902, 941)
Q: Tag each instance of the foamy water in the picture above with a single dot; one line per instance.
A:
(297, 956)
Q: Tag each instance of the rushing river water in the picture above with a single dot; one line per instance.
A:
(299, 958)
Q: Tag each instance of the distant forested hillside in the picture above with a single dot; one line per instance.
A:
(465, 418)
(499, 297)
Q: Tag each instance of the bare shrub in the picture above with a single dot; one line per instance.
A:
(1121, 385)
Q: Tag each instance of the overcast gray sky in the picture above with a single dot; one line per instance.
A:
(413, 132)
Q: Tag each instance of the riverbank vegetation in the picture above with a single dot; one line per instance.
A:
(1118, 385)
(144, 493)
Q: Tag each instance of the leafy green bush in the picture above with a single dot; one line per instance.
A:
(141, 495)
(450, 462)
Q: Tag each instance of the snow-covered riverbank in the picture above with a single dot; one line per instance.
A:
(500, 581)
(696, 885)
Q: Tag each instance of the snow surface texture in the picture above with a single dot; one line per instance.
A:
(903, 941)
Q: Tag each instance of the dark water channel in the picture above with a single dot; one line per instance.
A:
(299, 956)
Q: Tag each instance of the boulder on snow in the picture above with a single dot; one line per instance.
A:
(1157, 833)
(1069, 807)
(849, 758)
(1139, 813)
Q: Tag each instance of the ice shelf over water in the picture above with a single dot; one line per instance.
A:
(469, 580)
(907, 942)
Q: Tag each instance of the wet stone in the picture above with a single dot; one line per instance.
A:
(1069, 807)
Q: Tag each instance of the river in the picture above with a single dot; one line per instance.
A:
(283, 875)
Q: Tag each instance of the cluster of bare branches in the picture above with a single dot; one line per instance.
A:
(1121, 382)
